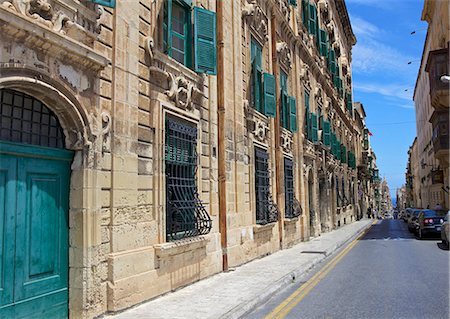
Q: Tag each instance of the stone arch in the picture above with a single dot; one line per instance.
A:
(73, 119)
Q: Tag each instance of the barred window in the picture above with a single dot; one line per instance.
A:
(185, 214)
(266, 211)
(292, 206)
(25, 119)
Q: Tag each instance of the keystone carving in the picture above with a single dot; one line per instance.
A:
(256, 19)
(43, 13)
(284, 54)
(181, 91)
(286, 142)
(260, 131)
(105, 132)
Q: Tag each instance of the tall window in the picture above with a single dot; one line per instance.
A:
(177, 31)
(256, 86)
(185, 214)
(264, 206)
(193, 45)
(284, 100)
(292, 207)
(307, 121)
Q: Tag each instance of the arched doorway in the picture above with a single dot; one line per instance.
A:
(34, 205)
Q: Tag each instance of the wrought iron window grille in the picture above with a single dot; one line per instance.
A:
(186, 215)
(292, 205)
(266, 210)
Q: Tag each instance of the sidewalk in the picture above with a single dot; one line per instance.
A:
(235, 293)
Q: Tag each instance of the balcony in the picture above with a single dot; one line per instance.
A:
(439, 121)
(437, 66)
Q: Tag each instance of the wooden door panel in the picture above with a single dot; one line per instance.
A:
(42, 234)
(7, 210)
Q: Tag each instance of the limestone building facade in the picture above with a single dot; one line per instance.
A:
(165, 141)
(431, 98)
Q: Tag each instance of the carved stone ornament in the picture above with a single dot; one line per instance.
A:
(306, 169)
(284, 54)
(318, 93)
(284, 7)
(286, 142)
(308, 149)
(181, 91)
(256, 19)
(57, 20)
(105, 131)
(260, 131)
(149, 46)
(305, 75)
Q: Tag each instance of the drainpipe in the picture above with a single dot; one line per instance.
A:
(278, 151)
(221, 134)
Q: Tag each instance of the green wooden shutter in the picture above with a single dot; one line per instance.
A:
(270, 103)
(315, 136)
(284, 101)
(293, 2)
(292, 114)
(256, 58)
(343, 153)
(205, 41)
(332, 63)
(323, 47)
(305, 15)
(106, 3)
(326, 133)
(312, 15)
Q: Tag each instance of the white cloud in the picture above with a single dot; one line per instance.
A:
(396, 91)
(362, 27)
(370, 55)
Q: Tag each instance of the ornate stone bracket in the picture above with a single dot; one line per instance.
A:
(286, 141)
(284, 54)
(61, 19)
(306, 169)
(106, 131)
(149, 46)
(256, 19)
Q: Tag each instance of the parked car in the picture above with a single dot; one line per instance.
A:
(387, 216)
(412, 219)
(429, 222)
(445, 230)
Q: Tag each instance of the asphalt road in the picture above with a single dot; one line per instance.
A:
(387, 274)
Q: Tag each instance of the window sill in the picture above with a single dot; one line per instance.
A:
(263, 228)
(288, 221)
(179, 246)
(174, 65)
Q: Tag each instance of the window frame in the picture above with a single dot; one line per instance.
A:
(256, 74)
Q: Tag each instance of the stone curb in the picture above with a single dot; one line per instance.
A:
(250, 304)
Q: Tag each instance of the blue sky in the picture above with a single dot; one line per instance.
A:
(381, 75)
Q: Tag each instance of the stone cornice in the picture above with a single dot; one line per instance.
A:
(56, 44)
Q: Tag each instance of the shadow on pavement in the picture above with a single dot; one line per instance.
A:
(442, 246)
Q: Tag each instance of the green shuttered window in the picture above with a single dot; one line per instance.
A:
(315, 136)
(293, 114)
(205, 41)
(323, 42)
(293, 3)
(256, 77)
(312, 19)
(284, 100)
(326, 134)
(270, 102)
(180, 35)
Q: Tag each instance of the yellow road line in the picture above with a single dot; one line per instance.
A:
(294, 299)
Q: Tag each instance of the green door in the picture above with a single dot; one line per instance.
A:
(34, 191)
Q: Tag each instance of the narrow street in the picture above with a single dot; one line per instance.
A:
(387, 274)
